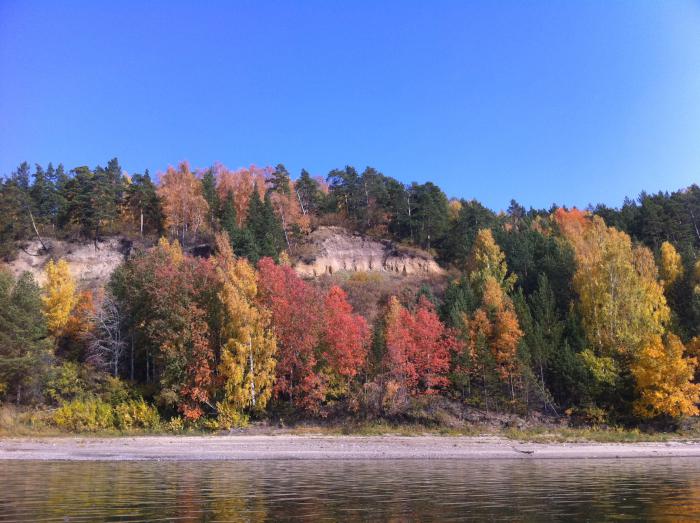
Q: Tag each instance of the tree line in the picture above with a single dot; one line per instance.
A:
(594, 313)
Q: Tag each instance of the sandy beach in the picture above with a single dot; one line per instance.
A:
(188, 448)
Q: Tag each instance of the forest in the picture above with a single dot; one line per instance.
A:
(592, 315)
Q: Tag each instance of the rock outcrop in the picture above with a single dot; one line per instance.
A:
(332, 249)
(90, 265)
(327, 250)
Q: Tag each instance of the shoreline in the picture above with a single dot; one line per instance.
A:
(309, 447)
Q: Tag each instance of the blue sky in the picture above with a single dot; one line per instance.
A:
(552, 101)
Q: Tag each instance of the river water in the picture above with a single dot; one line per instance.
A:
(405, 490)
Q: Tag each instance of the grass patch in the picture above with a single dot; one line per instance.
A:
(587, 435)
(384, 428)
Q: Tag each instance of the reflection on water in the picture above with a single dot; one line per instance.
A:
(593, 490)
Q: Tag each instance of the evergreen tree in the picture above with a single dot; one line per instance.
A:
(462, 232)
(24, 344)
(264, 228)
(308, 193)
(114, 180)
(211, 195)
(279, 181)
(241, 238)
(42, 193)
(61, 181)
(143, 202)
(14, 223)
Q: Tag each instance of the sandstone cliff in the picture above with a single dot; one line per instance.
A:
(332, 249)
(328, 250)
(91, 266)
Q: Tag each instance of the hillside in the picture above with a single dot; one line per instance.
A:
(591, 313)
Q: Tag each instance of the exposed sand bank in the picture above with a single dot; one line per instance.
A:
(186, 448)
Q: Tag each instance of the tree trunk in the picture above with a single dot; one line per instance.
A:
(252, 376)
(36, 231)
(301, 204)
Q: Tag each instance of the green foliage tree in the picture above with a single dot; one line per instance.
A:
(144, 204)
(25, 347)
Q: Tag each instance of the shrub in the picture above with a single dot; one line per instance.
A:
(88, 415)
(64, 382)
(115, 391)
(229, 418)
(176, 424)
(134, 414)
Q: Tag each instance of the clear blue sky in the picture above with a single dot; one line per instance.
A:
(552, 101)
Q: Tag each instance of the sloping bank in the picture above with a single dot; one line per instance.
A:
(186, 448)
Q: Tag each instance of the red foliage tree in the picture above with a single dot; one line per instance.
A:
(418, 347)
(346, 336)
(297, 314)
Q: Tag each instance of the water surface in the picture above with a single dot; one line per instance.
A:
(405, 490)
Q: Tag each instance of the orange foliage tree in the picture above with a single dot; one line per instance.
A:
(184, 205)
(240, 184)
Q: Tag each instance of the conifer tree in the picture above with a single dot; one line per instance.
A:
(24, 344)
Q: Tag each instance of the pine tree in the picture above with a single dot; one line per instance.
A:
(24, 344)
(308, 193)
(264, 228)
(42, 192)
(144, 204)
(212, 197)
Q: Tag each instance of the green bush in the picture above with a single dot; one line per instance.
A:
(135, 414)
(89, 415)
(115, 391)
(65, 382)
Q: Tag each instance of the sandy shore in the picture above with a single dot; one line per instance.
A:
(184, 448)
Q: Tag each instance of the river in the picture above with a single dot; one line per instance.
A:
(330, 490)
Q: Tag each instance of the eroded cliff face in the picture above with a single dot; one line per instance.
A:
(90, 266)
(328, 250)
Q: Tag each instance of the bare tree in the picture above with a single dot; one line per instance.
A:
(106, 346)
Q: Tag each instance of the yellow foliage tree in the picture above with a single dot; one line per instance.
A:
(172, 250)
(624, 312)
(671, 265)
(487, 260)
(59, 296)
(620, 299)
(503, 334)
(247, 363)
(664, 379)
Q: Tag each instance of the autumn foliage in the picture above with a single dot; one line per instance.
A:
(322, 344)
(591, 314)
(295, 307)
(59, 296)
(418, 348)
